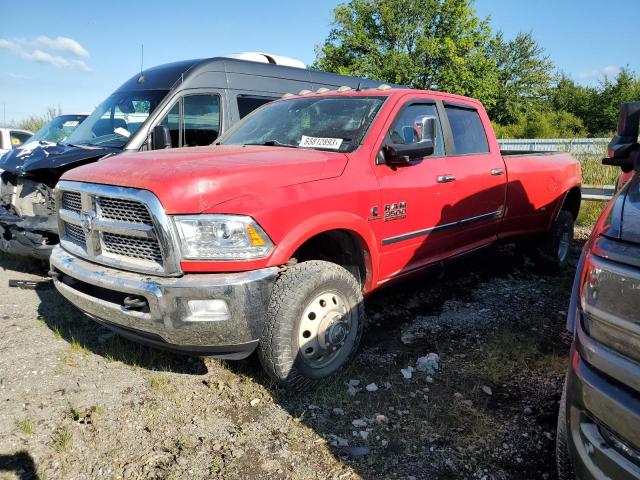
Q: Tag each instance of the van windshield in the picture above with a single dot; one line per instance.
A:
(58, 129)
(117, 119)
(324, 123)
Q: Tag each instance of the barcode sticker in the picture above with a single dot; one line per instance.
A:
(317, 142)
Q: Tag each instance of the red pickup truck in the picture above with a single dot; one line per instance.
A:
(270, 238)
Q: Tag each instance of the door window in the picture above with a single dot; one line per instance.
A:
(468, 132)
(172, 121)
(248, 103)
(404, 131)
(201, 119)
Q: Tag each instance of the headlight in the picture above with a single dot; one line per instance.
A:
(221, 237)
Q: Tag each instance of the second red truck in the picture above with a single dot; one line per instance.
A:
(270, 238)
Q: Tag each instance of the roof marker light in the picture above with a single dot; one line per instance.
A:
(288, 94)
(304, 92)
(344, 88)
(322, 90)
(384, 86)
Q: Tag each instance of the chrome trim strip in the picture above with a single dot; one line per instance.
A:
(420, 233)
(70, 216)
(138, 230)
(164, 230)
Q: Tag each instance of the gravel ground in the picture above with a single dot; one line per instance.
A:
(81, 403)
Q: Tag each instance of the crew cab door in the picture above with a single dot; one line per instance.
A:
(478, 177)
(413, 202)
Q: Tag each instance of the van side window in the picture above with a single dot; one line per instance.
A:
(248, 103)
(172, 121)
(402, 131)
(468, 132)
(201, 119)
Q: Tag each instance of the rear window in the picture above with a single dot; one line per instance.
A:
(469, 136)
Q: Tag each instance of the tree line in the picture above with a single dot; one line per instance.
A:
(444, 45)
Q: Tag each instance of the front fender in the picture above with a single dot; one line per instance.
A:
(323, 223)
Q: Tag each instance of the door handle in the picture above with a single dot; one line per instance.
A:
(446, 178)
(497, 171)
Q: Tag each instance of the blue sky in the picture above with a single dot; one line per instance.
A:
(74, 54)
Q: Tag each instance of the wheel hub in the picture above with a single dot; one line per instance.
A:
(324, 328)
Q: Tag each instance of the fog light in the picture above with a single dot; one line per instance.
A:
(207, 310)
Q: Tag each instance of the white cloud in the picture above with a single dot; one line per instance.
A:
(35, 50)
(62, 44)
(608, 71)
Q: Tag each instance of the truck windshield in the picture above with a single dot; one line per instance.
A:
(58, 129)
(325, 123)
(117, 118)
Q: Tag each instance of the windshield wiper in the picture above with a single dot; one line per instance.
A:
(84, 147)
(272, 143)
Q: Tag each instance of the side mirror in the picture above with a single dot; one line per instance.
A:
(161, 137)
(420, 140)
(624, 149)
(425, 127)
(401, 154)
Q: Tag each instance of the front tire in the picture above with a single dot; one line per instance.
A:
(563, 462)
(314, 323)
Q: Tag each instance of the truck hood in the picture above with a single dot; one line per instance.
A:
(192, 180)
(40, 156)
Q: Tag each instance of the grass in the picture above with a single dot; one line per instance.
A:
(159, 383)
(25, 426)
(79, 347)
(594, 173)
(61, 439)
(589, 213)
(510, 353)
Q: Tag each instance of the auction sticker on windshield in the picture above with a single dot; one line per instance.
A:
(318, 142)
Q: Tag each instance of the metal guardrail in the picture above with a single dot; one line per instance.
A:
(598, 193)
(592, 146)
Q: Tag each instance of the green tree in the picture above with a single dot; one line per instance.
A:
(542, 124)
(525, 75)
(429, 44)
(597, 107)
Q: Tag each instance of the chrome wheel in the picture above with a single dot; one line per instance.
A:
(324, 329)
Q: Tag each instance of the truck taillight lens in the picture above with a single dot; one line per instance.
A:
(221, 237)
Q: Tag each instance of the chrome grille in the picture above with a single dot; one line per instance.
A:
(123, 227)
(142, 248)
(74, 233)
(72, 201)
(123, 210)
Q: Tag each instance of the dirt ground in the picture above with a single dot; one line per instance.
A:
(79, 402)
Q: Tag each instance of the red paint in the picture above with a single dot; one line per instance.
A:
(624, 178)
(295, 194)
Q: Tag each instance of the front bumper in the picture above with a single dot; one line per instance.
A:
(18, 241)
(164, 320)
(603, 411)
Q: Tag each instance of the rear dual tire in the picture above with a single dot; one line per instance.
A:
(551, 251)
(314, 324)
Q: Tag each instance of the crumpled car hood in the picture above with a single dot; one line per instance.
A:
(49, 156)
